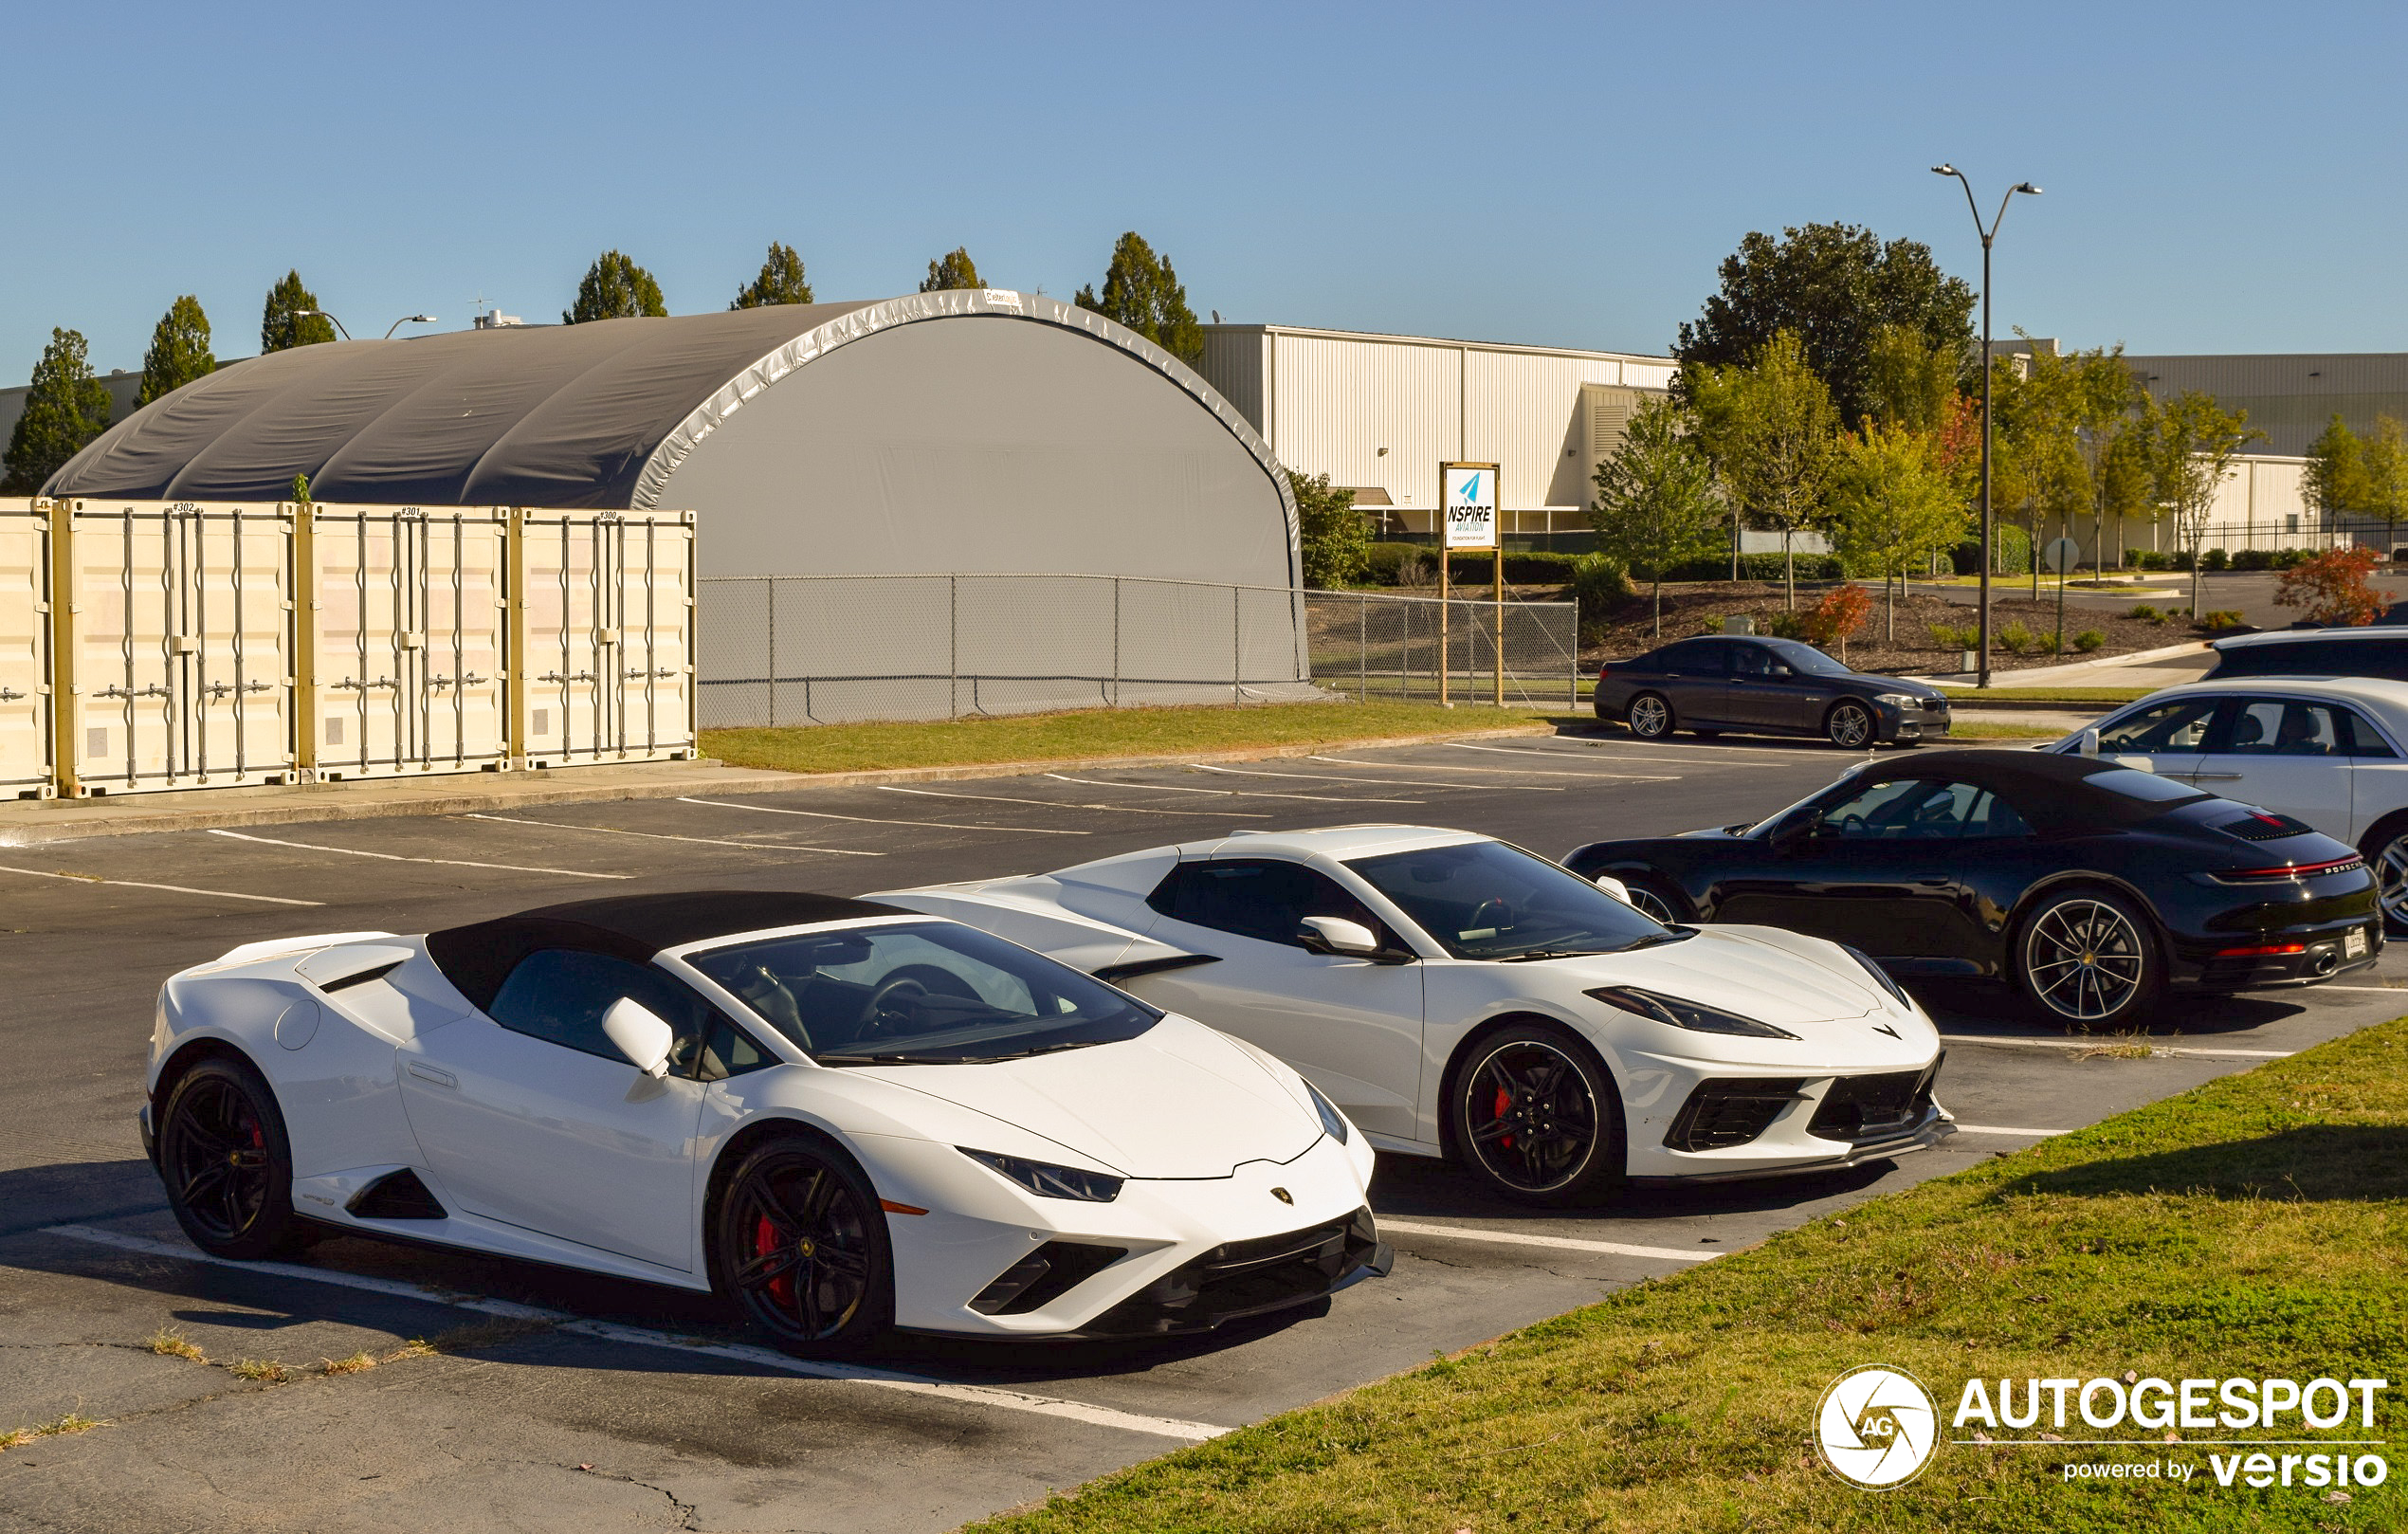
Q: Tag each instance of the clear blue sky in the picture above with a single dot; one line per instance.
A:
(2218, 177)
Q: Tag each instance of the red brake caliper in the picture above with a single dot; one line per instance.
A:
(781, 1288)
(1505, 1101)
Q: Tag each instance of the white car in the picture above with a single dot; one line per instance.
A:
(2332, 753)
(1458, 997)
(842, 1116)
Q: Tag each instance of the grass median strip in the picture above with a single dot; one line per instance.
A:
(1099, 732)
(2253, 1227)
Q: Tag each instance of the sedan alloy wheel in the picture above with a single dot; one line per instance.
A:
(2391, 878)
(1849, 725)
(1650, 717)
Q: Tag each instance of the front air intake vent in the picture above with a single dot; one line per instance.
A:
(1725, 1112)
(1044, 1276)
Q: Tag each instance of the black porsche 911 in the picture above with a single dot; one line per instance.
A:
(2088, 884)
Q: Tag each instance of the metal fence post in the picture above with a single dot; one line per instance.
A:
(1236, 666)
(1362, 650)
(770, 581)
(953, 647)
(1116, 641)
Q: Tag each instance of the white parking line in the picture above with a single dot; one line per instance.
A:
(1230, 792)
(2370, 990)
(397, 857)
(2111, 1043)
(1514, 1238)
(664, 836)
(1390, 782)
(1517, 772)
(1057, 804)
(873, 820)
(1164, 1427)
(173, 889)
(1994, 1129)
(1646, 748)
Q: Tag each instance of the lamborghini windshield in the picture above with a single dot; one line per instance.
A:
(1485, 900)
(920, 993)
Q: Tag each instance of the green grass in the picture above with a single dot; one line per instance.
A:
(2256, 1225)
(2008, 729)
(1100, 732)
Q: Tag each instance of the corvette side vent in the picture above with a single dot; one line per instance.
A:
(1044, 1276)
(1730, 1111)
(396, 1195)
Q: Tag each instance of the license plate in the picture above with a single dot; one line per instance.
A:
(2353, 945)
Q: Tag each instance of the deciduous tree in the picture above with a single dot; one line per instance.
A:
(1894, 504)
(179, 350)
(1656, 504)
(66, 407)
(2196, 445)
(615, 287)
(282, 323)
(1142, 292)
(1835, 286)
(781, 280)
(1909, 380)
(2331, 589)
(951, 270)
(1330, 536)
(1771, 431)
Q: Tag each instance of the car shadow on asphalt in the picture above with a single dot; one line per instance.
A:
(1997, 1008)
(1413, 1186)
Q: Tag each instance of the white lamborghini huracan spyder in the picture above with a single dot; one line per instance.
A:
(1458, 997)
(844, 1116)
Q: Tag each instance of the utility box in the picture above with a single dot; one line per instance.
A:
(406, 647)
(25, 733)
(173, 640)
(602, 655)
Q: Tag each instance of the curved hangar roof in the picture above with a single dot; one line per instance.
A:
(1043, 410)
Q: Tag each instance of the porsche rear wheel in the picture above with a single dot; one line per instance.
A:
(226, 1164)
(2085, 956)
(1650, 717)
(800, 1245)
(1538, 1117)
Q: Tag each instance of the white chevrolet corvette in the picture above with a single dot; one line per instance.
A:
(1458, 997)
(844, 1116)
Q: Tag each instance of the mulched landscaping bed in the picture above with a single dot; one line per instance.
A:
(1700, 609)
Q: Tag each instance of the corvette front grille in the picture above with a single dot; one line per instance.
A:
(1868, 1107)
(1727, 1111)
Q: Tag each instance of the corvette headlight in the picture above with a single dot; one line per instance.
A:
(1692, 1016)
(1897, 991)
(1046, 1180)
(1331, 1119)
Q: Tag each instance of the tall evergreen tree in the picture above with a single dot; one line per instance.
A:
(952, 269)
(781, 280)
(1834, 285)
(1141, 291)
(281, 326)
(179, 350)
(615, 288)
(67, 408)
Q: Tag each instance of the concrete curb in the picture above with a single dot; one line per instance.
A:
(57, 821)
(2021, 675)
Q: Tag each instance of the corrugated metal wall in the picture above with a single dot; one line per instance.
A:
(1328, 402)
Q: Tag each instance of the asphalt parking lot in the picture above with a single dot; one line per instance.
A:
(551, 1400)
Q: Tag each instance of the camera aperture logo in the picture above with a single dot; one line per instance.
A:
(1877, 1427)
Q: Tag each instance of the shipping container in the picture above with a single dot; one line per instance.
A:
(405, 650)
(602, 661)
(172, 645)
(25, 736)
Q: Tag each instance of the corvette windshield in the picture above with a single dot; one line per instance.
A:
(1485, 900)
(920, 992)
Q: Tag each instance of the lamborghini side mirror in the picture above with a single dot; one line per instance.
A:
(1335, 935)
(638, 1034)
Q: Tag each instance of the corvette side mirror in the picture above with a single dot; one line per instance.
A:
(1791, 834)
(1335, 935)
(639, 1034)
(1612, 886)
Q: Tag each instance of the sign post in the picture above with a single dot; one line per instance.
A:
(1468, 519)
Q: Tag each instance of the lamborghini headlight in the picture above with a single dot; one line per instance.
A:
(1695, 1016)
(1046, 1180)
(1331, 1119)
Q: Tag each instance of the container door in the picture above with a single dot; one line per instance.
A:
(182, 641)
(410, 639)
(607, 674)
(25, 650)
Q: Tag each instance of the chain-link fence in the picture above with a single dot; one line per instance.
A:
(822, 650)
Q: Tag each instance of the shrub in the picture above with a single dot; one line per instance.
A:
(2331, 589)
(2088, 640)
(1417, 572)
(2213, 559)
(2009, 552)
(2148, 559)
(2222, 620)
(1837, 616)
(2254, 559)
(1599, 586)
(1383, 560)
(2147, 612)
(1786, 625)
(1757, 567)
(1950, 636)
(2016, 639)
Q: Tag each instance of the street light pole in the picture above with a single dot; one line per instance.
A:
(320, 314)
(1982, 656)
(408, 320)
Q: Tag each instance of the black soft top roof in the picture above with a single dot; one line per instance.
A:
(476, 959)
(2050, 790)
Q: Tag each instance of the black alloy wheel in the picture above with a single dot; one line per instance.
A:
(226, 1164)
(1849, 725)
(1650, 717)
(801, 1246)
(2085, 956)
(2385, 849)
(1538, 1117)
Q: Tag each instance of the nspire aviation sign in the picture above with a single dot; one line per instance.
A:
(1468, 504)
